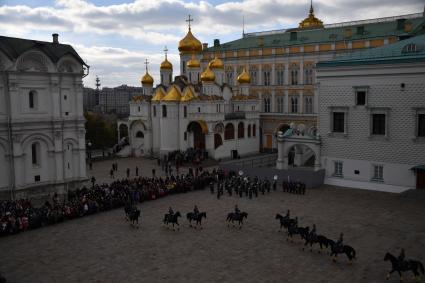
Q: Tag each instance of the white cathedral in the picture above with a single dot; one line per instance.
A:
(197, 110)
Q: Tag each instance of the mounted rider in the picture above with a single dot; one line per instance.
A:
(195, 212)
(313, 234)
(288, 213)
(340, 243)
(237, 210)
(170, 213)
(401, 258)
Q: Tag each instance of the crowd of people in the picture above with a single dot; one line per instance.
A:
(21, 215)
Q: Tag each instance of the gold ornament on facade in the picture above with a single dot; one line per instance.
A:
(216, 63)
(208, 75)
(188, 95)
(193, 63)
(172, 95)
(311, 21)
(244, 78)
(159, 94)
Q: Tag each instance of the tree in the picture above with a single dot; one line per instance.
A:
(101, 130)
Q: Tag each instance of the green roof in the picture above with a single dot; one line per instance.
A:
(329, 34)
(403, 51)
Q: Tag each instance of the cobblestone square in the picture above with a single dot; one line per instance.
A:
(105, 248)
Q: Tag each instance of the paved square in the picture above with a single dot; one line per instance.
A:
(104, 248)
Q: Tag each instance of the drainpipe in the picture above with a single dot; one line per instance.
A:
(10, 135)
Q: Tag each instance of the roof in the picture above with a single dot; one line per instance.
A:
(404, 51)
(330, 33)
(13, 47)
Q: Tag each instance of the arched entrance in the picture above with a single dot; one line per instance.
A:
(198, 131)
(122, 131)
(217, 140)
(301, 155)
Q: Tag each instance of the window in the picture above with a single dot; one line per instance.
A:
(190, 76)
(199, 109)
(249, 131)
(229, 78)
(421, 125)
(378, 173)
(294, 77)
(185, 136)
(170, 78)
(308, 75)
(35, 154)
(138, 108)
(241, 130)
(184, 66)
(378, 124)
(229, 132)
(32, 99)
(154, 111)
(37, 178)
(308, 105)
(140, 134)
(266, 77)
(164, 111)
(338, 169)
(338, 122)
(162, 78)
(253, 74)
(65, 97)
(361, 97)
(411, 47)
(280, 76)
(280, 104)
(266, 104)
(185, 111)
(254, 133)
(294, 104)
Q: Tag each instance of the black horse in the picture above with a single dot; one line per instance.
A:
(134, 217)
(128, 209)
(191, 216)
(415, 266)
(316, 239)
(232, 217)
(344, 249)
(285, 221)
(295, 230)
(173, 219)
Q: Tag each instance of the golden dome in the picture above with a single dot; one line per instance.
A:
(193, 63)
(147, 79)
(311, 21)
(244, 78)
(166, 65)
(188, 95)
(208, 75)
(190, 44)
(159, 94)
(216, 63)
(172, 95)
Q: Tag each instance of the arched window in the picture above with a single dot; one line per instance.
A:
(140, 134)
(217, 140)
(294, 105)
(229, 132)
(185, 111)
(267, 107)
(254, 133)
(32, 97)
(154, 111)
(241, 130)
(164, 111)
(249, 131)
(35, 154)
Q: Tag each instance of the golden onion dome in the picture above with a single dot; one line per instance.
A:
(190, 44)
(208, 75)
(166, 65)
(188, 95)
(244, 78)
(311, 21)
(159, 94)
(172, 95)
(193, 63)
(216, 63)
(147, 79)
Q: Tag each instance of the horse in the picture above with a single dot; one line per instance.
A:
(319, 239)
(345, 249)
(134, 217)
(191, 216)
(173, 219)
(294, 230)
(415, 266)
(236, 217)
(128, 209)
(285, 221)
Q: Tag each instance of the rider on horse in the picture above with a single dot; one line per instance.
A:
(195, 212)
(170, 212)
(401, 258)
(340, 243)
(237, 210)
(313, 234)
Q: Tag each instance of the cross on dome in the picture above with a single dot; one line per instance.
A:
(146, 63)
(189, 20)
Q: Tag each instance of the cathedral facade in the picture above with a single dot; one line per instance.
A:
(194, 110)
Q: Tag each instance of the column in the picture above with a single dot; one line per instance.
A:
(286, 74)
(273, 102)
(280, 155)
(260, 75)
(273, 75)
(301, 102)
(301, 75)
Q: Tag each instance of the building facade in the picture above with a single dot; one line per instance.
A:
(372, 117)
(42, 144)
(115, 100)
(282, 64)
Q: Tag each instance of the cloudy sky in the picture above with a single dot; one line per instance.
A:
(115, 36)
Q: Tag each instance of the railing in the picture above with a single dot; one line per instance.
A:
(254, 162)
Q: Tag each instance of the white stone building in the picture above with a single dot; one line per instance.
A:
(42, 135)
(372, 117)
(196, 110)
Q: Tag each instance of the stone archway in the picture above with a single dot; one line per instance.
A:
(198, 131)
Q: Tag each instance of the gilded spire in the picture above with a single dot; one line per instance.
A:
(311, 21)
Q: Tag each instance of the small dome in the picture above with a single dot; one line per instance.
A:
(311, 21)
(193, 63)
(147, 79)
(172, 95)
(244, 78)
(216, 63)
(190, 44)
(166, 65)
(208, 75)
